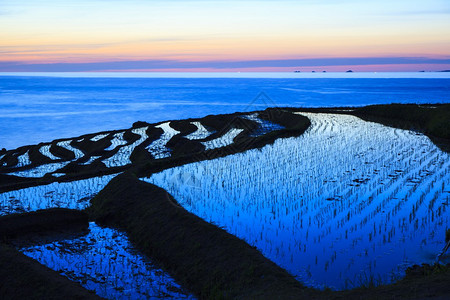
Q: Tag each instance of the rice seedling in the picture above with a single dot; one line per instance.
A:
(23, 160)
(224, 140)
(122, 157)
(99, 137)
(200, 133)
(104, 261)
(41, 170)
(158, 148)
(75, 195)
(358, 194)
(66, 145)
(45, 150)
(117, 141)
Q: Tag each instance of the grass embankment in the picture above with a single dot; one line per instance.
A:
(42, 221)
(22, 277)
(432, 120)
(210, 262)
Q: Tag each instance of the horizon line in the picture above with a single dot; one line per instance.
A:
(237, 75)
(333, 64)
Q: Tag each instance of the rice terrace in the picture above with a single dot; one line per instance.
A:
(281, 203)
(224, 149)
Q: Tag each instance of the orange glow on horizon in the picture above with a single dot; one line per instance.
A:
(198, 31)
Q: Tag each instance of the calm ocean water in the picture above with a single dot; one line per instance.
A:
(37, 109)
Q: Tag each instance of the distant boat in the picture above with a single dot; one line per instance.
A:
(296, 71)
(349, 71)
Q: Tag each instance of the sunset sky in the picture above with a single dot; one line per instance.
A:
(248, 35)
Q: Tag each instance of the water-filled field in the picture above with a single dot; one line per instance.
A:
(104, 261)
(106, 153)
(74, 195)
(347, 203)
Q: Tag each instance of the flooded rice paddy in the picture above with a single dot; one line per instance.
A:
(73, 195)
(104, 261)
(347, 203)
(115, 150)
(100, 261)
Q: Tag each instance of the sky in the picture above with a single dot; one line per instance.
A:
(245, 35)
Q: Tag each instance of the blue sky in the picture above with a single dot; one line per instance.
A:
(247, 35)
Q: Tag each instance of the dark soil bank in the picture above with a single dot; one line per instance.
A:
(50, 220)
(432, 120)
(210, 262)
(24, 278)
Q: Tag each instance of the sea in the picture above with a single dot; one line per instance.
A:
(41, 107)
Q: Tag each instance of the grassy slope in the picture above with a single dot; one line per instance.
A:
(24, 278)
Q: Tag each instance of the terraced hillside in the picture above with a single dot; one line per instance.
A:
(37, 176)
(347, 203)
(70, 172)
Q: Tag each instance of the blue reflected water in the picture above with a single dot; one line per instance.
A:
(104, 261)
(347, 203)
(74, 195)
(40, 109)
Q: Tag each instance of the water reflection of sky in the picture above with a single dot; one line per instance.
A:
(74, 195)
(104, 261)
(346, 202)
